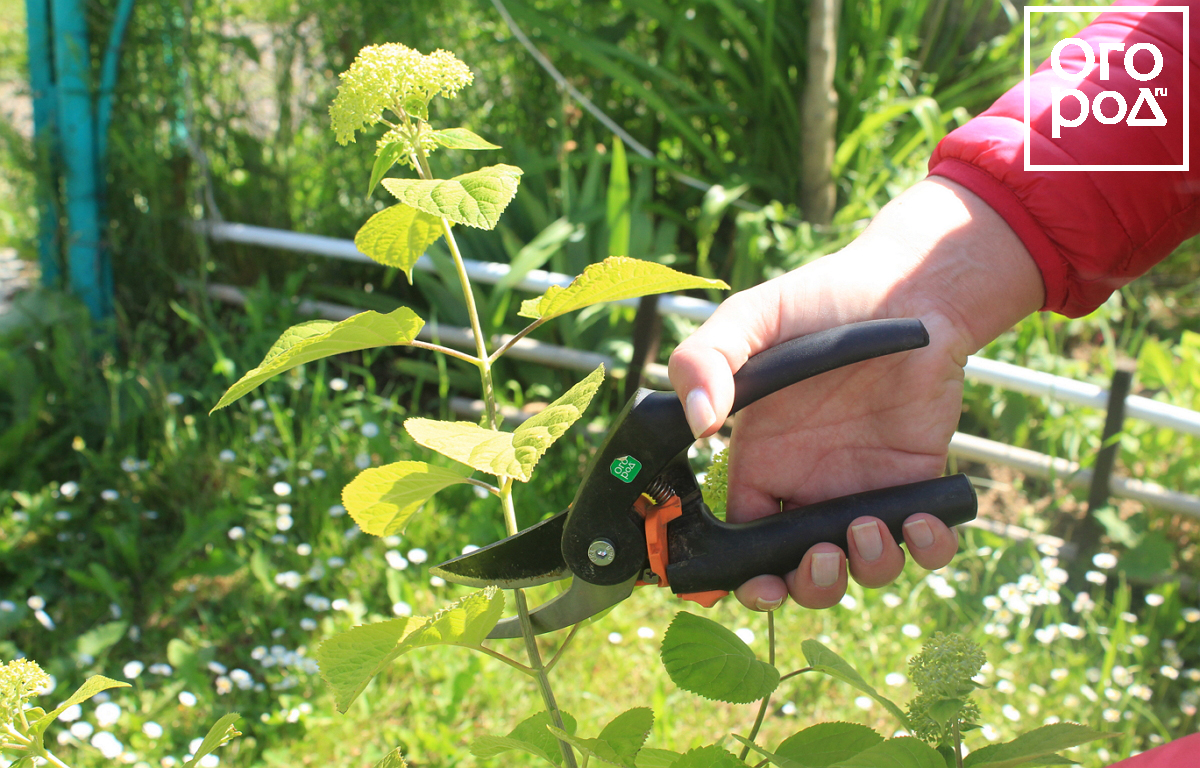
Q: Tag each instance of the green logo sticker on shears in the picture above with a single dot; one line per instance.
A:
(625, 468)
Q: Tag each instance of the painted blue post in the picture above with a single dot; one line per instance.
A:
(108, 83)
(41, 83)
(87, 267)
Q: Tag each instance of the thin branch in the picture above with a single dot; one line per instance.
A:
(766, 700)
(480, 484)
(510, 662)
(511, 342)
(558, 654)
(446, 351)
(797, 672)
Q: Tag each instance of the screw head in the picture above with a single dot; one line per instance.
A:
(601, 552)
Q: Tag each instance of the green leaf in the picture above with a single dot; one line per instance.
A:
(615, 278)
(349, 660)
(904, 752)
(507, 454)
(773, 758)
(619, 203)
(824, 660)
(384, 160)
(321, 338)
(1035, 744)
(943, 710)
(382, 499)
(394, 759)
(220, 734)
(648, 757)
(825, 744)
(461, 138)
(709, 660)
(398, 236)
(531, 735)
(475, 199)
(620, 740)
(712, 756)
(93, 685)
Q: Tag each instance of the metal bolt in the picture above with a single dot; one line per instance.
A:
(601, 552)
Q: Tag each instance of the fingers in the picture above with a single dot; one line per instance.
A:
(930, 542)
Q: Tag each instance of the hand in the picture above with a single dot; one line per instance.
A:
(937, 253)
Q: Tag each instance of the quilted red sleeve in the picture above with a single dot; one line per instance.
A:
(1091, 231)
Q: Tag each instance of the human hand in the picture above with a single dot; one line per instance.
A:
(937, 253)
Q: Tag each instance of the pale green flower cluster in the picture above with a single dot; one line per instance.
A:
(395, 78)
(942, 672)
(20, 680)
(716, 483)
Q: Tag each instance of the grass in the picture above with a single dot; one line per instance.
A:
(150, 533)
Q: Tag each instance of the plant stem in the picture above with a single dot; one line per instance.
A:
(485, 486)
(510, 662)
(513, 340)
(445, 351)
(790, 675)
(957, 744)
(766, 700)
(558, 654)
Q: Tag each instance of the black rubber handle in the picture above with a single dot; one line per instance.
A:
(708, 554)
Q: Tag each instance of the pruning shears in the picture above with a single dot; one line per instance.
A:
(638, 516)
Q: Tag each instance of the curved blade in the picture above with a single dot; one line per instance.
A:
(526, 559)
(581, 601)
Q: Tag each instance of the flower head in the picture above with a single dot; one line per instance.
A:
(20, 679)
(716, 483)
(942, 673)
(395, 78)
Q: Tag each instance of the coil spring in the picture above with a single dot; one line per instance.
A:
(659, 490)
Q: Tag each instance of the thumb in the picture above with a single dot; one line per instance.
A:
(702, 366)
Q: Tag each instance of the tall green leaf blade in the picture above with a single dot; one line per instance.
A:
(620, 740)
(321, 338)
(393, 759)
(825, 744)
(397, 236)
(709, 660)
(1038, 743)
(93, 685)
(387, 157)
(620, 202)
(532, 735)
(349, 660)
(712, 756)
(824, 660)
(903, 752)
(461, 138)
(615, 278)
(475, 199)
(382, 499)
(507, 454)
(221, 733)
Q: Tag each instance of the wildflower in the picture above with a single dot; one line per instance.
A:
(335, 562)
(1141, 641)
(7, 606)
(1006, 686)
(281, 488)
(615, 638)
(174, 398)
(227, 455)
(109, 495)
(1095, 577)
(370, 429)
(337, 510)
(237, 533)
(307, 624)
(161, 669)
(338, 384)
(417, 555)
(1105, 560)
(82, 729)
(1191, 615)
(317, 474)
(395, 560)
(152, 729)
(746, 634)
(911, 630)
(288, 579)
(279, 538)
(480, 493)
(62, 515)
(223, 685)
(242, 679)
(44, 619)
(108, 714)
(362, 460)
(402, 609)
(1169, 672)
(864, 702)
(1154, 599)
(217, 668)
(437, 581)
(1085, 604)
(1112, 715)
(788, 708)
(132, 669)
(284, 523)
(69, 489)
(71, 713)
(895, 679)
(1011, 712)
(646, 633)
(187, 698)
(303, 549)
(468, 549)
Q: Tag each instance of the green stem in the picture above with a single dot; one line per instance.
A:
(790, 675)
(445, 351)
(500, 656)
(957, 744)
(558, 654)
(766, 700)
(485, 486)
(513, 340)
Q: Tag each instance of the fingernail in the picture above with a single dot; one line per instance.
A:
(868, 541)
(919, 534)
(825, 567)
(767, 605)
(699, 410)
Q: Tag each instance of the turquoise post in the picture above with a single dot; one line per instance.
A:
(41, 84)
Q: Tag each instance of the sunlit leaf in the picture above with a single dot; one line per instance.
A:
(393, 759)
(825, 744)
(461, 138)
(1033, 745)
(903, 752)
(824, 660)
(532, 735)
(349, 660)
(321, 338)
(710, 660)
(619, 202)
(620, 740)
(387, 157)
(615, 278)
(475, 199)
(507, 454)
(712, 756)
(772, 757)
(648, 757)
(93, 685)
(382, 499)
(221, 733)
(398, 236)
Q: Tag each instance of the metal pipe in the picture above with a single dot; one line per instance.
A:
(41, 87)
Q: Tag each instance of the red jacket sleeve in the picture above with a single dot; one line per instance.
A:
(1092, 231)
(1178, 754)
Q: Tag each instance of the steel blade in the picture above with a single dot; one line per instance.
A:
(582, 601)
(525, 559)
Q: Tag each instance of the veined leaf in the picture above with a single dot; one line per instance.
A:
(382, 499)
(824, 660)
(93, 685)
(825, 744)
(532, 735)
(475, 199)
(772, 758)
(1034, 745)
(620, 740)
(903, 752)
(709, 660)
(507, 454)
(397, 236)
(349, 660)
(387, 157)
(316, 339)
(712, 756)
(619, 202)
(221, 733)
(615, 278)
(461, 138)
(648, 757)
(393, 759)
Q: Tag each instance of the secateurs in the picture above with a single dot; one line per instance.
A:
(638, 516)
